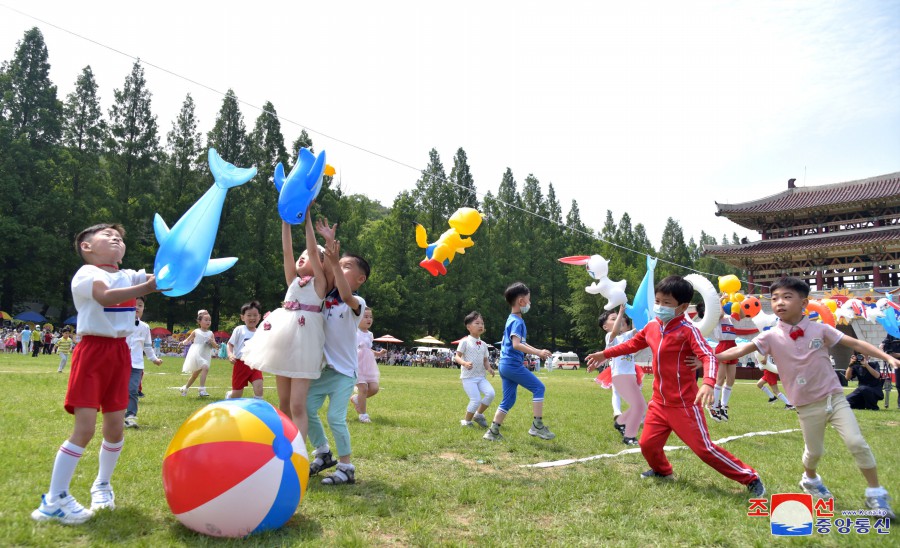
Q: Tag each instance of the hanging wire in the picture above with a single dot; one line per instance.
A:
(359, 148)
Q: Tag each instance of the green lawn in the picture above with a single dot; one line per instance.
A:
(423, 480)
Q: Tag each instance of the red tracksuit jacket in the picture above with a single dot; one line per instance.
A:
(674, 383)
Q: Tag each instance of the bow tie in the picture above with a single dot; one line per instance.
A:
(795, 333)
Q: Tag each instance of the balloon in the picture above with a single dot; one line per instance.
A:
(737, 297)
(853, 308)
(438, 255)
(641, 308)
(764, 320)
(234, 468)
(729, 284)
(824, 313)
(183, 257)
(750, 307)
(727, 308)
(767, 366)
(888, 316)
(598, 268)
(705, 288)
(831, 304)
(301, 186)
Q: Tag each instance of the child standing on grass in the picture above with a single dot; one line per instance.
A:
(677, 404)
(800, 347)
(771, 379)
(291, 340)
(199, 355)
(726, 335)
(369, 375)
(104, 297)
(139, 343)
(64, 348)
(512, 366)
(344, 310)
(241, 373)
(474, 364)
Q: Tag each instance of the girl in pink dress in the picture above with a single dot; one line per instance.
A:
(368, 375)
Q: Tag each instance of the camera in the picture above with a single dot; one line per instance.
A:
(858, 357)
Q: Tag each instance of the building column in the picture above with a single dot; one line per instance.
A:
(876, 276)
(820, 280)
(750, 282)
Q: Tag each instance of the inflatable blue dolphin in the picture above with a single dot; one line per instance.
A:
(641, 308)
(183, 258)
(301, 186)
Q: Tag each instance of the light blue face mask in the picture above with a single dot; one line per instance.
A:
(664, 313)
(525, 309)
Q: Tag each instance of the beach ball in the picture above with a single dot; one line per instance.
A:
(750, 307)
(235, 467)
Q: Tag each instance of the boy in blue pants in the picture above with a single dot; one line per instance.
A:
(512, 366)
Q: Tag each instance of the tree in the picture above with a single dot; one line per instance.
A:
(462, 182)
(30, 105)
(673, 249)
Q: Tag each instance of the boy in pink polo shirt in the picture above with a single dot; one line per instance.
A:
(800, 347)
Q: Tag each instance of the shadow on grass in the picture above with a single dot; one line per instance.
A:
(298, 528)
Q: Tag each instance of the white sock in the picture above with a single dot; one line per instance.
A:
(322, 449)
(63, 469)
(726, 395)
(616, 403)
(876, 491)
(783, 398)
(345, 466)
(109, 456)
(479, 415)
(717, 396)
(768, 391)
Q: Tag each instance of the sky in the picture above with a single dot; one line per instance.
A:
(658, 109)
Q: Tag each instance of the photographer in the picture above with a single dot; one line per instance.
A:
(869, 392)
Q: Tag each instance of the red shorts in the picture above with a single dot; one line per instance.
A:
(769, 377)
(101, 367)
(723, 346)
(242, 375)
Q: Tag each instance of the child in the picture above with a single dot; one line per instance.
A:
(725, 334)
(677, 405)
(290, 343)
(624, 375)
(64, 348)
(474, 363)
(801, 348)
(369, 375)
(139, 343)
(199, 354)
(104, 297)
(512, 366)
(343, 311)
(241, 373)
(771, 379)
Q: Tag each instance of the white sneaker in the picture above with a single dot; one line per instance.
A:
(204, 393)
(815, 487)
(131, 422)
(464, 422)
(228, 395)
(364, 418)
(102, 496)
(64, 510)
(184, 390)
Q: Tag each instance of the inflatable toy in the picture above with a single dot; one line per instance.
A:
(235, 467)
(764, 320)
(852, 308)
(729, 284)
(825, 315)
(768, 366)
(710, 319)
(438, 255)
(302, 185)
(641, 308)
(598, 268)
(831, 304)
(887, 316)
(750, 307)
(183, 257)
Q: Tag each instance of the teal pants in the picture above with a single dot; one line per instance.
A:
(338, 388)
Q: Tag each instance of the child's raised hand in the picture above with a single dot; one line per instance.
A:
(325, 230)
(332, 251)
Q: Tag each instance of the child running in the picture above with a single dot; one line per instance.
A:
(104, 297)
(677, 403)
(512, 366)
(725, 334)
(139, 343)
(800, 347)
(241, 374)
(199, 355)
(474, 364)
(292, 337)
(369, 375)
(771, 379)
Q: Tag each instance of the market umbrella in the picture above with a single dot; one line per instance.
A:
(71, 320)
(428, 339)
(30, 317)
(160, 332)
(457, 341)
(387, 339)
(5, 316)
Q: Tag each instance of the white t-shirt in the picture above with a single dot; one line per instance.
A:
(239, 336)
(475, 351)
(115, 321)
(139, 343)
(725, 330)
(622, 365)
(341, 324)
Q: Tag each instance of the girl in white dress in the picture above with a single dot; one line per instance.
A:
(290, 341)
(198, 358)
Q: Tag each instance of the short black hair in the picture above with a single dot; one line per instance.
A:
(360, 262)
(605, 316)
(252, 304)
(792, 283)
(516, 290)
(91, 230)
(472, 316)
(701, 309)
(677, 287)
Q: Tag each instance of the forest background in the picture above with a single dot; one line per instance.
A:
(66, 165)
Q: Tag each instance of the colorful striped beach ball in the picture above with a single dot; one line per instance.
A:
(234, 468)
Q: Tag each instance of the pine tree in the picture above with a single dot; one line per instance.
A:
(84, 133)
(462, 183)
(674, 250)
(30, 105)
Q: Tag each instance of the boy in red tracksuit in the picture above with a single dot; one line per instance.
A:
(677, 403)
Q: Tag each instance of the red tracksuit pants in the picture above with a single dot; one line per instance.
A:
(690, 425)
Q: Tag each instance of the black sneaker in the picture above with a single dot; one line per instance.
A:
(653, 474)
(756, 488)
(773, 399)
(630, 441)
(321, 462)
(715, 414)
(620, 428)
(723, 412)
(790, 407)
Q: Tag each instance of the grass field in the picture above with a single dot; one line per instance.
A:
(423, 480)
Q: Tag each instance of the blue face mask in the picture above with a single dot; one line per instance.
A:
(664, 313)
(525, 309)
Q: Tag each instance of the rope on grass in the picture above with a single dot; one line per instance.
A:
(567, 462)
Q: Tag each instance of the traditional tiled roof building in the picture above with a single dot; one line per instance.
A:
(830, 235)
